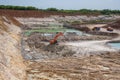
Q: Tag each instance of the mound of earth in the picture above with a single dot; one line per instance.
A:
(115, 25)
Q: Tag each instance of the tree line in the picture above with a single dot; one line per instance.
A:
(18, 7)
(81, 11)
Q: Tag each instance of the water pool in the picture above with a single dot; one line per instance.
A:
(80, 33)
(115, 45)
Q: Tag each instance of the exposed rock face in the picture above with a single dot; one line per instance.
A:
(12, 66)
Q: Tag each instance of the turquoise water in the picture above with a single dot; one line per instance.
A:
(115, 45)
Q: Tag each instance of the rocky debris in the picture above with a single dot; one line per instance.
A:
(39, 49)
(84, 38)
(94, 67)
(38, 37)
(42, 51)
(12, 66)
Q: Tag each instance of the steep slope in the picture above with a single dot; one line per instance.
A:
(12, 66)
(115, 25)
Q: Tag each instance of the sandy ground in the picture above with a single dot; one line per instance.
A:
(88, 47)
(91, 26)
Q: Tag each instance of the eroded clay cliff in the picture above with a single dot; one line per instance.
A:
(12, 66)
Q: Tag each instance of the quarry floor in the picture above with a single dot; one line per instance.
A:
(70, 60)
(95, 67)
(101, 63)
(92, 60)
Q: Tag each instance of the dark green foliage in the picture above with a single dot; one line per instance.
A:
(17, 7)
(107, 11)
(52, 9)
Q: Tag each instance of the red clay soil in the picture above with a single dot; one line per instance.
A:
(10, 20)
(35, 13)
(14, 21)
(29, 13)
(2, 25)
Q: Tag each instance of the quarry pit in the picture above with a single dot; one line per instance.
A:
(80, 54)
